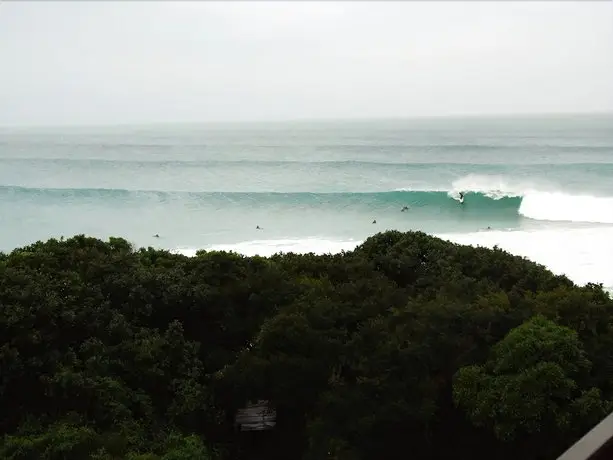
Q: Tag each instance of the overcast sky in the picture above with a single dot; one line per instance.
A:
(137, 62)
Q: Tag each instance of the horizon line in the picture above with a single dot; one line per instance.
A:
(299, 120)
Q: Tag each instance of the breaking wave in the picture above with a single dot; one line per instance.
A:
(491, 200)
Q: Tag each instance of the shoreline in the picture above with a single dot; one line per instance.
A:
(544, 251)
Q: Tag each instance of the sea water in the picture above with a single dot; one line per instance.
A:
(539, 187)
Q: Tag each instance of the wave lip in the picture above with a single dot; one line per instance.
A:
(421, 202)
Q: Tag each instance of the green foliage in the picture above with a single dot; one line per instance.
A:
(408, 345)
(68, 441)
(531, 383)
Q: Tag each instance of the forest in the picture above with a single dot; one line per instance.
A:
(407, 347)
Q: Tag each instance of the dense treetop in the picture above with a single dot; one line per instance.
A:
(406, 347)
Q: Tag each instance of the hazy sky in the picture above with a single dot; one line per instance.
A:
(133, 62)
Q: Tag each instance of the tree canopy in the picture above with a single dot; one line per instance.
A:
(408, 346)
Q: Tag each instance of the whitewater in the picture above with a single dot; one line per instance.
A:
(538, 187)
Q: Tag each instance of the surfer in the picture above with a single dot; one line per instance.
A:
(461, 197)
(404, 208)
(257, 227)
(374, 221)
(156, 236)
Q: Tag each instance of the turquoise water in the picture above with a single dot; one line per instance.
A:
(200, 186)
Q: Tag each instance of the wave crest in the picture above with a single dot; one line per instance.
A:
(482, 201)
(539, 201)
(496, 187)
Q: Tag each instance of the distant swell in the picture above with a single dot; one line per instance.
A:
(562, 165)
(480, 205)
(349, 147)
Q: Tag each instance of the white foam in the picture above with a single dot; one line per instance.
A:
(569, 208)
(540, 201)
(496, 187)
(267, 248)
(584, 255)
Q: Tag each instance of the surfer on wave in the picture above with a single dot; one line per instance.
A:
(404, 208)
(461, 197)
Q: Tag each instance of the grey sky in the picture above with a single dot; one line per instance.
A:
(133, 62)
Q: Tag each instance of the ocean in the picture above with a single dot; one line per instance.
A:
(540, 187)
